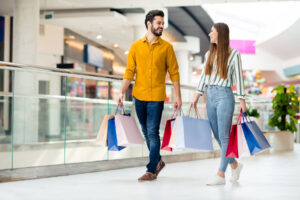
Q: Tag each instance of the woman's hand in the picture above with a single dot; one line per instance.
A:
(243, 106)
(195, 100)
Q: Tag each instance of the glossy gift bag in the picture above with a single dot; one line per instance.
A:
(167, 136)
(127, 130)
(253, 145)
(112, 141)
(102, 133)
(232, 148)
(259, 136)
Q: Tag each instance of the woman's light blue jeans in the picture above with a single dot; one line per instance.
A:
(220, 107)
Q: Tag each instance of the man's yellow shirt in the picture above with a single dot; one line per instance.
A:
(151, 63)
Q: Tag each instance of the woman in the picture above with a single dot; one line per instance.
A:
(222, 69)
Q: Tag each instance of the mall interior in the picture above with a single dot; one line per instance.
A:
(61, 68)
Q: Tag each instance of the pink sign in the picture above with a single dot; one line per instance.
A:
(243, 46)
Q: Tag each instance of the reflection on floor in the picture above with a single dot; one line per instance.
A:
(274, 176)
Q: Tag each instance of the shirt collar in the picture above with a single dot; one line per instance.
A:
(158, 41)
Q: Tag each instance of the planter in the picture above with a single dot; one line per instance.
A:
(280, 140)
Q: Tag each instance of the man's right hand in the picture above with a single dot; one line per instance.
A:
(120, 99)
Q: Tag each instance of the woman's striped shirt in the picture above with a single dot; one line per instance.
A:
(234, 75)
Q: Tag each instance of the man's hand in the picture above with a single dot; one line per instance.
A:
(120, 99)
(125, 84)
(177, 103)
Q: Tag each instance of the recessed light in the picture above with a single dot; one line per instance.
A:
(115, 45)
(126, 52)
(99, 37)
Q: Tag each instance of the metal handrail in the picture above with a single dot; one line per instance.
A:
(87, 75)
(65, 72)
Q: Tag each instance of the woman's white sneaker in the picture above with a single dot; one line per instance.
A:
(235, 173)
(217, 180)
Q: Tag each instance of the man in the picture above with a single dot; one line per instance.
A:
(150, 58)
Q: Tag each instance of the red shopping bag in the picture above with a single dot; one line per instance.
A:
(232, 148)
(167, 136)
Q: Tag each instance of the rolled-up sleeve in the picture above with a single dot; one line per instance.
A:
(172, 65)
(131, 64)
(238, 77)
(201, 85)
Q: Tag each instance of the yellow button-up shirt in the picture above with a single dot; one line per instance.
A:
(151, 64)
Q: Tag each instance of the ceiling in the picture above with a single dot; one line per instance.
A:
(285, 45)
(6, 7)
(192, 21)
(91, 17)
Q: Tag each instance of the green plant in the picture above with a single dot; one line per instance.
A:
(252, 113)
(284, 104)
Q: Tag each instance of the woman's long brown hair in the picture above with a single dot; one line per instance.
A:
(221, 50)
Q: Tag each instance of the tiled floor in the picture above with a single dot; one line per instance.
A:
(274, 176)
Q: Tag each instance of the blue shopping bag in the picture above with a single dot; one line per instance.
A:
(259, 136)
(112, 142)
(252, 143)
(194, 133)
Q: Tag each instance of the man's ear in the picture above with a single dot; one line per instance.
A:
(148, 24)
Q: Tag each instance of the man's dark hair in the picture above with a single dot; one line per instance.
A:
(151, 14)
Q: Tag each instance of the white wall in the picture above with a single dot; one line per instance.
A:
(50, 50)
(263, 60)
(51, 45)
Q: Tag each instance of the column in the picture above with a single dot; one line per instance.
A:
(183, 50)
(6, 72)
(25, 42)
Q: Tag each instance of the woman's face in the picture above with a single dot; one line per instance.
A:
(213, 35)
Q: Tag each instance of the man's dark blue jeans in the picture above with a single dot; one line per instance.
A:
(149, 115)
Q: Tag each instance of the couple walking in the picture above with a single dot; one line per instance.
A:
(151, 57)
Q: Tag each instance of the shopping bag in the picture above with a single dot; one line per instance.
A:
(102, 133)
(193, 133)
(253, 145)
(112, 141)
(232, 148)
(243, 149)
(167, 135)
(259, 136)
(127, 130)
(174, 124)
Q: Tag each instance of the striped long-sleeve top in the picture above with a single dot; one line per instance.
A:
(234, 75)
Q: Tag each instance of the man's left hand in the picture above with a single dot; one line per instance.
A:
(177, 103)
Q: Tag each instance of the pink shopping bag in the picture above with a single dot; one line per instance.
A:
(243, 148)
(127, 130)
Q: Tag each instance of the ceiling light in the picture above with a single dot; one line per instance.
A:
(126, 52)
(72, 37)
(191, 58)
(99, 37)
(75, 44)
(194, 72)
(115, 45)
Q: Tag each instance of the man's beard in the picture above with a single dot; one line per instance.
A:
(156, 32)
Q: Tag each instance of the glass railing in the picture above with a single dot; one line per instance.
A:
(52, 116)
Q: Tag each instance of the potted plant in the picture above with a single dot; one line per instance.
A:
(284, 117)
(253, 114)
